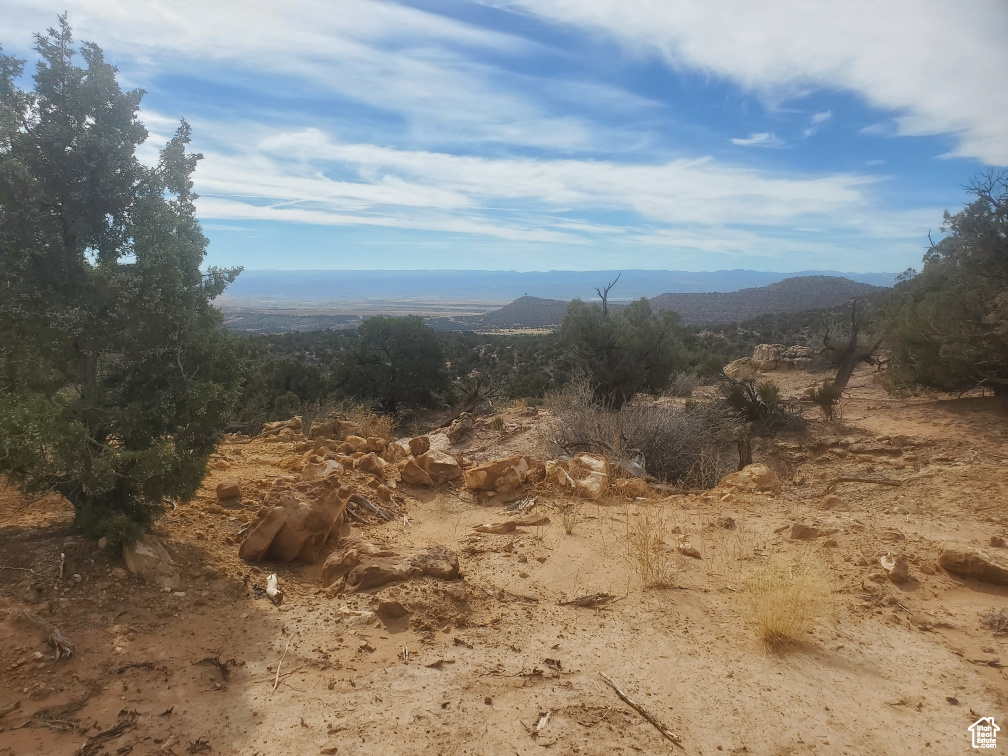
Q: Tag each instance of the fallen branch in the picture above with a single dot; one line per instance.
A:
(858, 479)
(642, 711)
(594, 599)
(276, 682)
(368, 505)
(127, 719)
(5, 710)
(59, 642)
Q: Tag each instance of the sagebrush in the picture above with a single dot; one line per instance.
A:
(670, 442)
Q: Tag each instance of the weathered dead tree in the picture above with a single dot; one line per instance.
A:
(851, 353)
(604, 294)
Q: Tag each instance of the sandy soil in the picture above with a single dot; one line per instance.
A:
(888, 670)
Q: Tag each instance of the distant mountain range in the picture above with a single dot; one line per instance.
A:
(791, 295)
(795, 294)
(320, 288)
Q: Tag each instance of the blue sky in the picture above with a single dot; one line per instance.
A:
(564, 134)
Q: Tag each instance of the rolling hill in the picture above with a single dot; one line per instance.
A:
(790, 295)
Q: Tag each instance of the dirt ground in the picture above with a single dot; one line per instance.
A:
(887, 670)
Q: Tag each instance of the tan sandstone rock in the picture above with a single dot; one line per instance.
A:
(506, 474)
(461, 427)
(412, 474)
(367, 565)
(752, 478)
(971, 564)
(440, 466)
(419, 445)
(296, 520)
(317, 469)
(229, 488)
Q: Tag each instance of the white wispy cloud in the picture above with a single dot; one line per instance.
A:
(762, 139)
(940, 66)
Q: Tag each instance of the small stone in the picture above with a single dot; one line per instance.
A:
(802, 532)
(229, 489)
(102, 543)
(997, 542)
(523, 574)
(897, 567)
(488, 701)
(522, 559)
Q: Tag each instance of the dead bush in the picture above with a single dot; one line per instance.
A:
(683, 384)
(669, 441)
(997, 621)
(785, 596)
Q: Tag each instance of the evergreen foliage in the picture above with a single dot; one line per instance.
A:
(623, 351)
(115, 375)
(947, 326)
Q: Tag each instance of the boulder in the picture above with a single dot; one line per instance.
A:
(354, 444)
(633, 488)
(506, 474)
(272, 429)
(419, 445)
(148, 559)
(367, 565)
(323, 429)
(586, 475)
(752, 478)
(742, 369)
(318, 468)
(461, 427)
(412, 474)
(296, 519)
(376, 444)
(440, 466)
(284, 435)
(375, 465)
(229, 488)
(767, 355)
(395, 452)
(973, 565)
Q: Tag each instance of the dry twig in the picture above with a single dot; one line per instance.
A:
(276, 682)
(657, 723)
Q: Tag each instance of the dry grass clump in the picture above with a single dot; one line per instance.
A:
(370, 423)
(997, 621)
(654, 562)
(570, 515)
(785, 596)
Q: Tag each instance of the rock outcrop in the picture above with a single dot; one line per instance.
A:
(296, 519)
(967, 563)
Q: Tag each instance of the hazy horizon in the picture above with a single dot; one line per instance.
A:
(320, 287)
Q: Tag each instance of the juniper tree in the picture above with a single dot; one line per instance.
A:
(115, 375)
